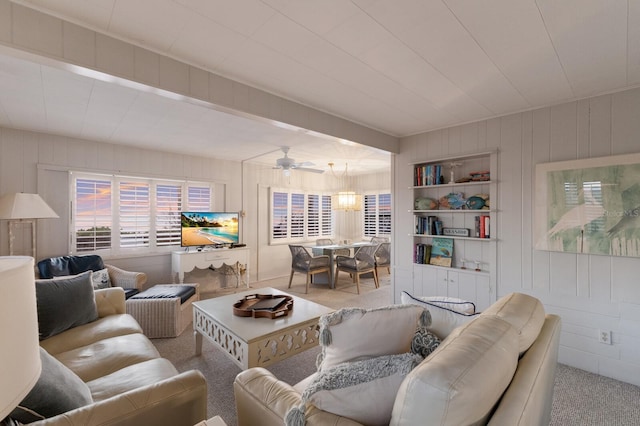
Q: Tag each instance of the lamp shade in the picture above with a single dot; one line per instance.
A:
(20, 356)
(347, 200)
(19, 205)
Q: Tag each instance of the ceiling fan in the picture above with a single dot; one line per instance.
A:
(287, 164)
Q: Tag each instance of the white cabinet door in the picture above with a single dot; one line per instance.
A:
(475, 288)
(429, 283)
(471, 286)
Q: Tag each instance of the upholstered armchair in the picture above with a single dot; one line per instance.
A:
(131, 282)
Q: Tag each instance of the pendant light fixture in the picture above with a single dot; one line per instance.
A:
(345, 199)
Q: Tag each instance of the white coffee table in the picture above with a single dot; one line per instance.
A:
(257, 342)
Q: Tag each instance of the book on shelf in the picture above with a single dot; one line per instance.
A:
(483, 226)
(487, 227)
(422, 253)
(427, 174)
(437, 227)
(441, 252)
(427, 225)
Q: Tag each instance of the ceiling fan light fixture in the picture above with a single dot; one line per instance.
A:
(286, 164)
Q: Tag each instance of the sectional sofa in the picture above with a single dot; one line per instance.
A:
(99, 368)
(496, 368)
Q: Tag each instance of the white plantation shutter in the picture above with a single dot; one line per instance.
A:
(92, 215)
(327, 217)
(370, 215)
(134, 214)
(313, 215)
(198, 198)
(384, 214)
(297, 215)
(168, 208)
(279, 225)
(377, 215)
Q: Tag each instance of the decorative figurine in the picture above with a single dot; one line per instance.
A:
(452, 175)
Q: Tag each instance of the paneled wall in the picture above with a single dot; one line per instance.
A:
(37, 162)
(590, 292)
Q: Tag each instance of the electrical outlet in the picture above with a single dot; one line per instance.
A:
(604, 336)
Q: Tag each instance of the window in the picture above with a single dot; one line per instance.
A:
(168, 207)
(134, 214)
(327, 219)
(298, 215)
(377, 215)
(120, 214)
(93, 219)
(313, 215)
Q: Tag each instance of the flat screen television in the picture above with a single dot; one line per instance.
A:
(209, 228)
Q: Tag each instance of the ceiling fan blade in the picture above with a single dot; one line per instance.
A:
(303, 164)
(306, 169)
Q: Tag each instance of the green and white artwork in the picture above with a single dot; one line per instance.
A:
(589, 206)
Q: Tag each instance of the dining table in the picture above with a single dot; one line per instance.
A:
(331, 251)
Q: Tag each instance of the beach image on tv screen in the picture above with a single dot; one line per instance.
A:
(201, 229)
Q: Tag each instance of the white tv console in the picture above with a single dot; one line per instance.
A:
(186, 261)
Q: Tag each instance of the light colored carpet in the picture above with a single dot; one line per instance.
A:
(583, 398)
(580, 398)
(220, 371)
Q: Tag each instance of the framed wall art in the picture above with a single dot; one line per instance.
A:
(589, 206)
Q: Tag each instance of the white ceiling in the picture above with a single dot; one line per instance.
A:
(399, 66)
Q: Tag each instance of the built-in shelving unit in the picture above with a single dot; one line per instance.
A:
(472, 274)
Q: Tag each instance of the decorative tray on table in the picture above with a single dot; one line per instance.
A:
(263, 306)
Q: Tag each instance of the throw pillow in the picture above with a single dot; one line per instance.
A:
(100, 279)
(363, 391)
(443, 320)
(64, 303)
(57, 391)
(452, 303)
(352, 334)
(424, 342)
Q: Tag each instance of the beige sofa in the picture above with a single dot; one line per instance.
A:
(496, 369)
(129, 383)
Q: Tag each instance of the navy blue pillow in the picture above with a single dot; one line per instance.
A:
(57, 391)
(64, 303)
(69, 265)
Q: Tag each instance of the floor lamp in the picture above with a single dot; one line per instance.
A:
(20, 363)
(24, 208)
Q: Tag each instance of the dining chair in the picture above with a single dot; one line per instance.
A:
(329, 242)
(304, 263)
(378, 240)
(362, 262)
(383, 257)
